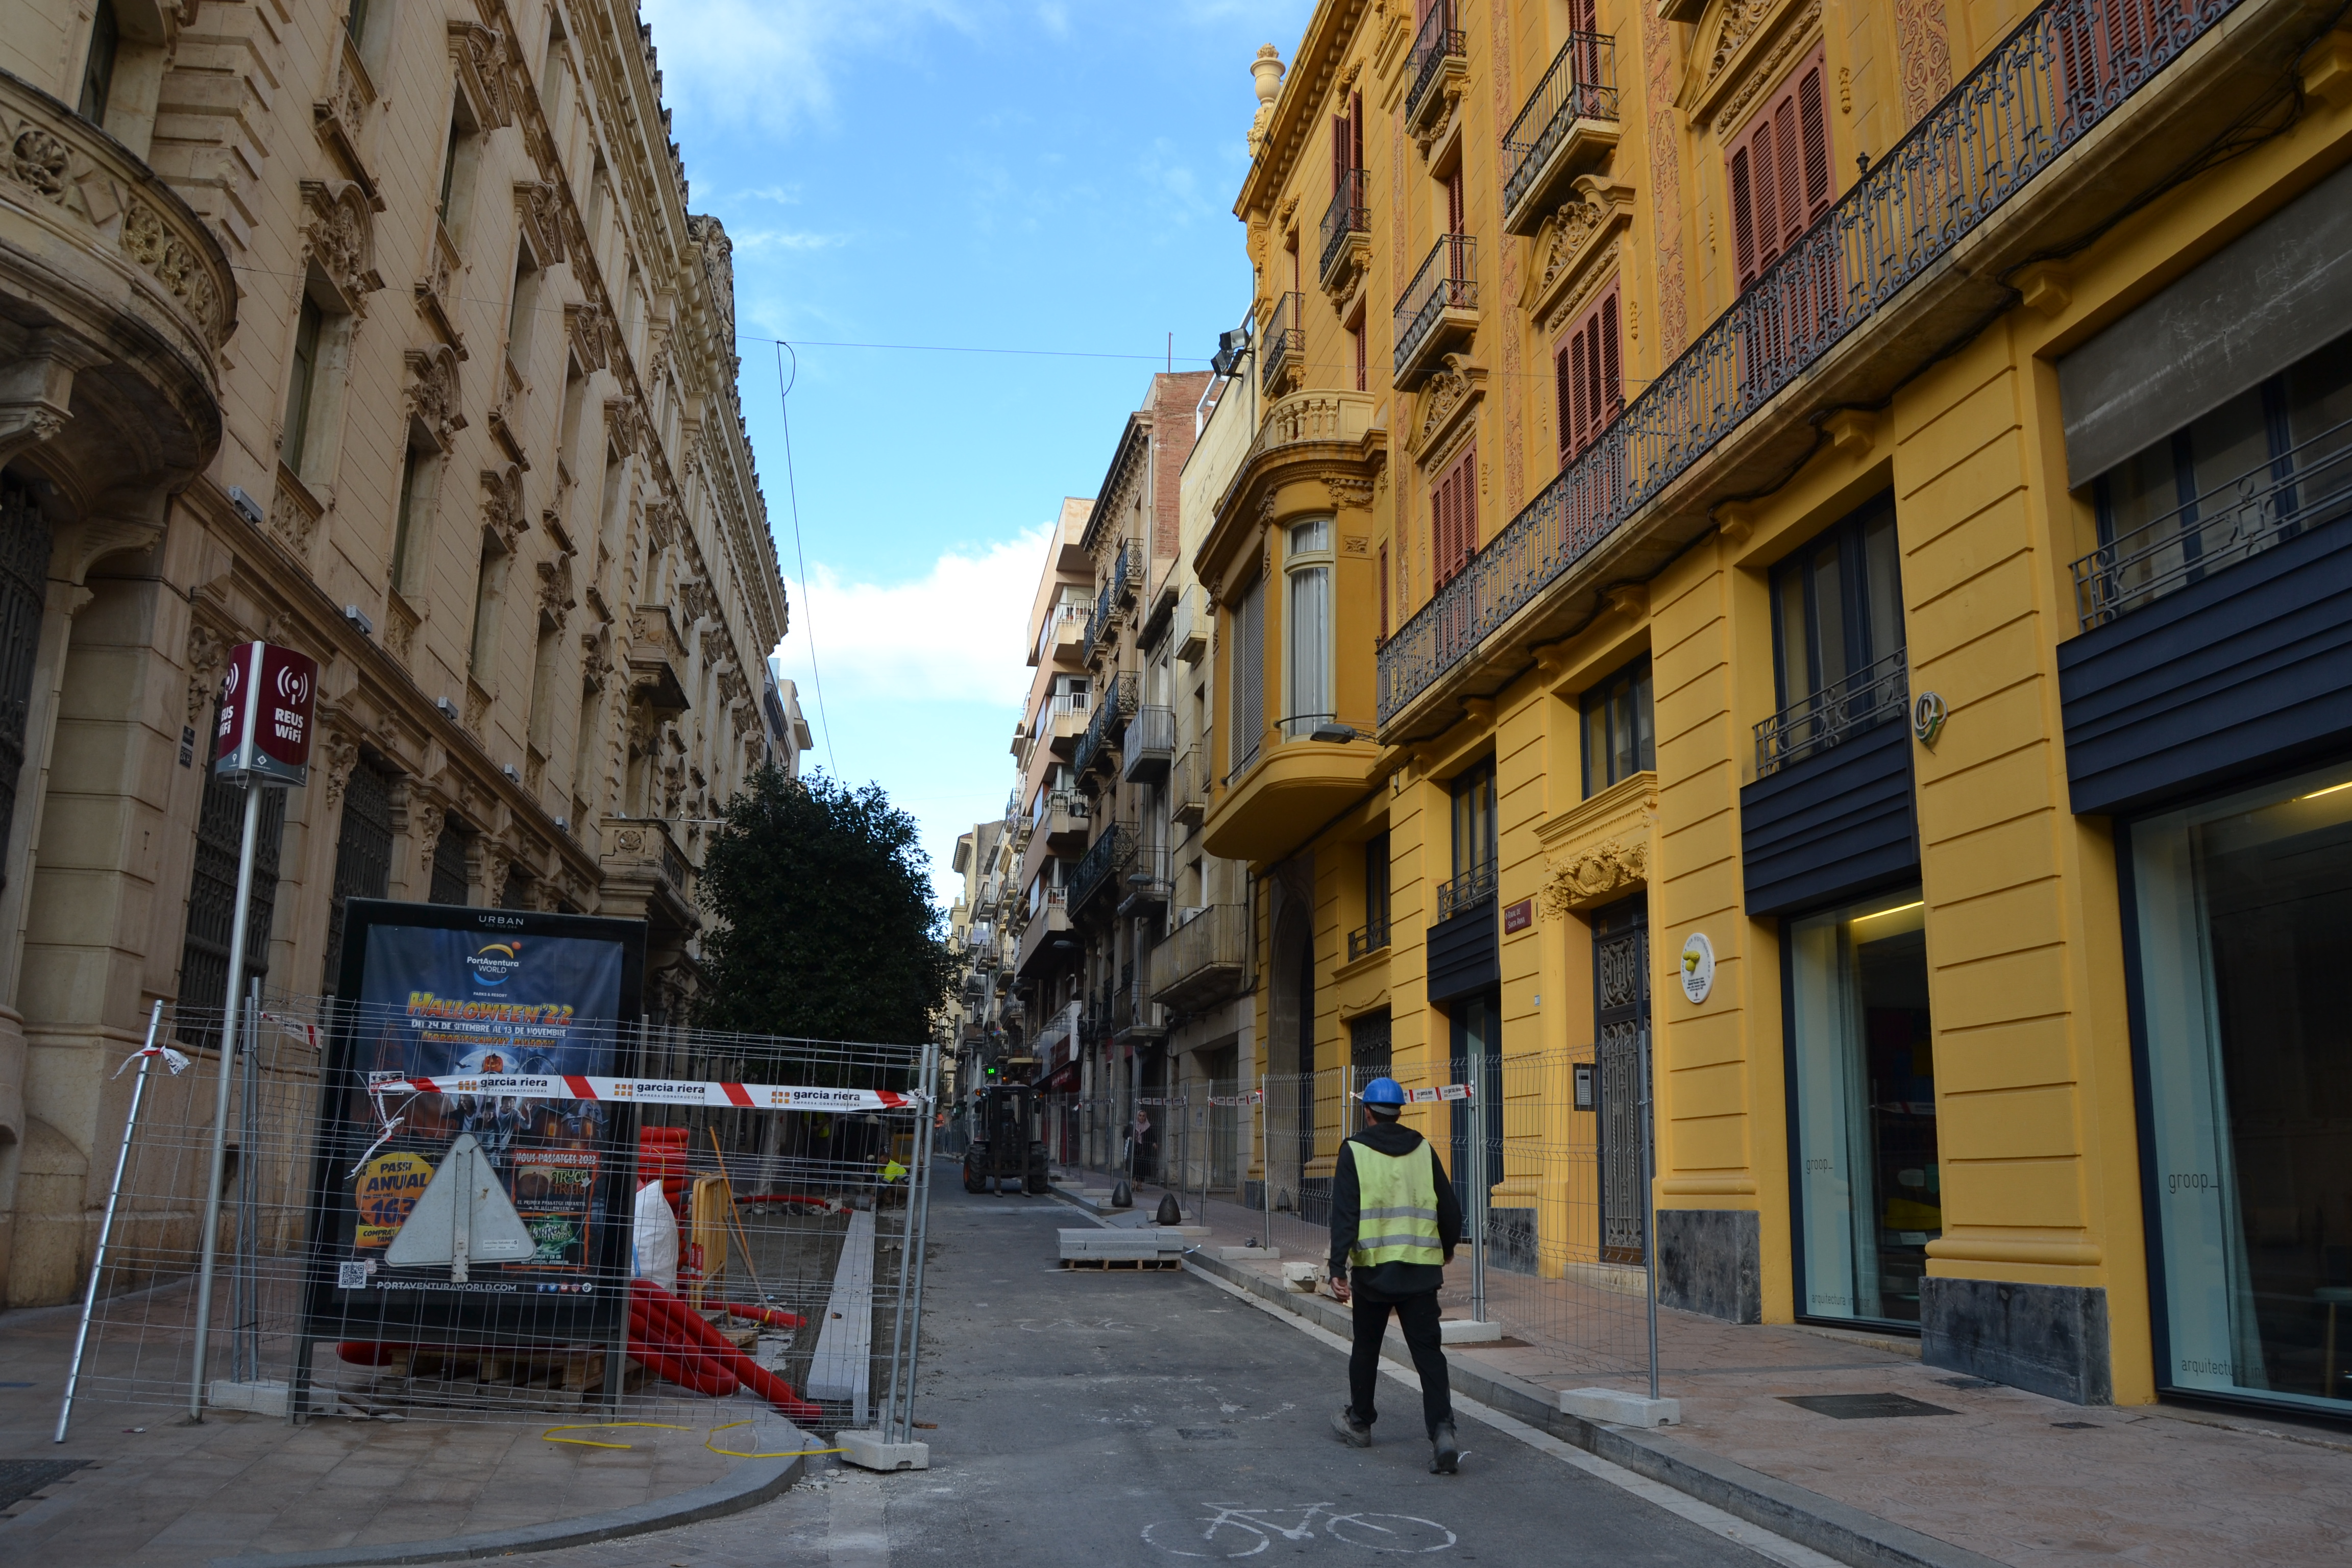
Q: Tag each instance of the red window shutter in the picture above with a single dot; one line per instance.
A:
(1454, 202)
(1467, 476)
(1357, 335)
(1791, 162)
(1339, 154)
(1743, 223)
(1817, 143)
(1612, 384)
(1586, 21)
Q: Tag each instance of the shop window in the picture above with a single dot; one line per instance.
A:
(1587, 387)
(2272, 462)
(1837, 634)
(2238, 910)
(1779, 172)
(1453, 516)
(1862, 1067)
(1306, 628)
(1619, 733)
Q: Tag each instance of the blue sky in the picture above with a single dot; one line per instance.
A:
(976, 174)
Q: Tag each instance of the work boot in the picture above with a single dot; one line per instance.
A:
(1354, 1433)
(1444, 1452)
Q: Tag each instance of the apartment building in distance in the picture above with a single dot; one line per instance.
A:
(1801, 543)
(380, 329)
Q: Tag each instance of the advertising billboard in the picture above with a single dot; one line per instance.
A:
(442, 992)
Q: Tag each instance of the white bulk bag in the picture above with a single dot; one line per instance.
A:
(654, 1241)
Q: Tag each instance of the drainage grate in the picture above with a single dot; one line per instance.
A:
(1968, 1382)
(1863, 1406)
(1203, 1434)
(20, 1479)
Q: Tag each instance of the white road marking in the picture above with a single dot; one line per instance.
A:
(1756, 1538)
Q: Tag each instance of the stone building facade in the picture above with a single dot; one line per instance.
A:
(382, 331)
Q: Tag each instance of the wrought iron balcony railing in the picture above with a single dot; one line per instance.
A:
(1283, 346)
(1101, 867)
(1203, 960)
(1368, 939)
(2290, 494)
(1466, 892)
(1869, 697)
(1448, 281)
(2058, 74)
(1580, 85)
(1440, 39)
(1149, 745)
(1114, 708)
(1348, 213)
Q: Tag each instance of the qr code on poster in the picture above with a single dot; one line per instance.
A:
(351, 1276)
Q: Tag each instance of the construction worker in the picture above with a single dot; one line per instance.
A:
(1395, 1223)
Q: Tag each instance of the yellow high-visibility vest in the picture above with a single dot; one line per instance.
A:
(1396, 1221)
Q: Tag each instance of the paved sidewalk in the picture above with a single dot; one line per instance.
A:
(2013, 1476)
(156, 1492)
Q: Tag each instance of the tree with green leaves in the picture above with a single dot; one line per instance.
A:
(826, 929)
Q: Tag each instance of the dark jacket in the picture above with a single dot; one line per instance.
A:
(1393, 1280)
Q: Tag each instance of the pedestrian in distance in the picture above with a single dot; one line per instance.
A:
(1395, 1223)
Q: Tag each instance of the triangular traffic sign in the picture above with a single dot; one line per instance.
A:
(464, 1217)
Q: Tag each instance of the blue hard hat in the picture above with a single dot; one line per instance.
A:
(1382, 1092)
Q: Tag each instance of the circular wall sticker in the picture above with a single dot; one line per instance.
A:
(1699, 966)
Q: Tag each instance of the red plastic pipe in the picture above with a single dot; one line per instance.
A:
(668, 1314)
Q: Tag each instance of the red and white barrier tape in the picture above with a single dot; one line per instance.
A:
(171, 1060)
(653, 1091)
(1441, 1092)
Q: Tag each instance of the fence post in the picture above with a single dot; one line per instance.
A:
(106, 1226)
(1479, 1181)
(921, 1221)
(1650, 1207)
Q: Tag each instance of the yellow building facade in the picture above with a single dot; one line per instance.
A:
(1787, 541)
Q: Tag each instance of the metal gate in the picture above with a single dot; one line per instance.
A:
(1620, 1000)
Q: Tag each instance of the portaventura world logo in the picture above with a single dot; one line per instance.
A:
(493, 964)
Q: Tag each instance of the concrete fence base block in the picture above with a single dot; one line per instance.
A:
(1302, 1277)
(867, 1451)
(1249, 1254)
(266, 1397)
(1467, 1331)
(1617, 1408)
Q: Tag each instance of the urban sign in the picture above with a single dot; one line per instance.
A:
(267, 697)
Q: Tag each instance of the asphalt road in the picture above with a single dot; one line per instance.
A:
(1090, 1419)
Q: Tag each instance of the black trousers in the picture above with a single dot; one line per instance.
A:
(1417, 1316)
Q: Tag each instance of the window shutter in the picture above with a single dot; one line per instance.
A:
(1743, 224)
(1586, 21)
(1383, 570)
(1791, 162)
(1465, 474)
(1612, 384)
(1454, 217)
(1561, 375)
(1338, 155)
(1356, 130)
(1817, 143)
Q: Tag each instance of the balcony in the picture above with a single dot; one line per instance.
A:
(1965, 173)
(1466, 892)
(1870, 696)
(1439, 65)
(1150, 746)
(1107, 728)
(1103, 868)
(1067, 720)
(1051, 920)
(1568, 128)
(1132, 1018)
(1190, 632)
(1283, 794)
(1146, 884)
(1062, 640)
(1204, 960)
(1347, 230)
(1282, 353)
(1188, 788)
(1368, 939)
(646, 875)
(2300, 490)
(1438, 309)
(1063, 815)
(1307, 431)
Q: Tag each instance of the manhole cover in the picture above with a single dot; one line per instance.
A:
(1203, 1434)
(1863, 1406)
(20, 1479)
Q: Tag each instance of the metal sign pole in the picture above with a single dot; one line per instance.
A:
(106, 1226)
(1649, 1206)
(229, 1013)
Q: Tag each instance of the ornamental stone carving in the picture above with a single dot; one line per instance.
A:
(207, 651)
(337, 234)
(1595, 873)
(502, 507)
(431, 395)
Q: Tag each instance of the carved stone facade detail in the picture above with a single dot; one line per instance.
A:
(337, 234)
(431, 395)
(1595, 875)
(1923, 48)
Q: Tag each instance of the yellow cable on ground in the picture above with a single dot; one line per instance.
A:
(738, 1454)
(550, 1435)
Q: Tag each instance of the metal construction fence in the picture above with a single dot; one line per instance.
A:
(1195, 1139)
(1549, 1152)
(739, 1214)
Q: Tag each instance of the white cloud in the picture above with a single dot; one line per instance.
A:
(957, 634)
(771, 62)
(756, 240)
